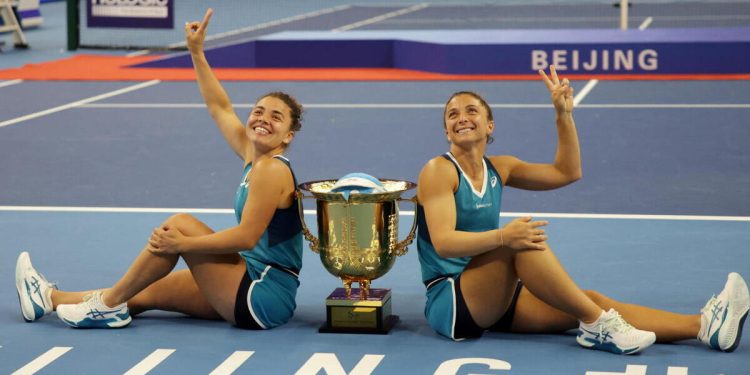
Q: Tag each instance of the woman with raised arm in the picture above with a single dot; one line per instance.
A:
(480, 276)
(246, 274)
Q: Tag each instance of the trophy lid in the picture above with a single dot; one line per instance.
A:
(322, 189)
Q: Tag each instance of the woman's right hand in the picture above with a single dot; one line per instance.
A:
(524, 234)
(195, 32)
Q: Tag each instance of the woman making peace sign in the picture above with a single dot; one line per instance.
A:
(480, 276)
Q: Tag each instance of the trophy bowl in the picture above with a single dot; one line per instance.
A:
(358, 234)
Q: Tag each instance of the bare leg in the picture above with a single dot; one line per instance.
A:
(544, 276)
(489, 281)
(60, 297)
(146, 269)
(487, 285)
(668, 326)
(146, 283)
(532, 315)
(176, 292)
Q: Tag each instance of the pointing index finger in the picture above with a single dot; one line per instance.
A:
(206, 19)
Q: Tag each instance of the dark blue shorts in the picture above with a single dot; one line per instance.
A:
(448, 315)
(266, 297)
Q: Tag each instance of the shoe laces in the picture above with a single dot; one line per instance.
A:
(44, 279)
(94, 301)
(91, 299)
(713, 301)
(87, 297)
(615, 322)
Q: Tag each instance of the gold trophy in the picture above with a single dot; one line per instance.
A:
(358, 242)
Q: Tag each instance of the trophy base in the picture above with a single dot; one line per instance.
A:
(354, 315)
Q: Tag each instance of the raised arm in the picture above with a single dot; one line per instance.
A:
(214, 95)
(567, 165)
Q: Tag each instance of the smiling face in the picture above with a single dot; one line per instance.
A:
(269, 124)
(467, 119)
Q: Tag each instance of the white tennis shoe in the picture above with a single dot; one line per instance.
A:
(724, 315)
(34, 291)
(93, 313)
(612, 333)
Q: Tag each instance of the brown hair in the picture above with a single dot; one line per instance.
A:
(476, 96)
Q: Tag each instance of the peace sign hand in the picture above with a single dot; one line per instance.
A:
(561, 92)
(195, 32)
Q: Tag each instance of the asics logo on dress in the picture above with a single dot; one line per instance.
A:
(493, 181)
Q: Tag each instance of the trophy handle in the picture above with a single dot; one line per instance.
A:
(401, 247)
(314, 241)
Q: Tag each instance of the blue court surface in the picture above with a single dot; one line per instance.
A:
(87, 169)
(659, 218)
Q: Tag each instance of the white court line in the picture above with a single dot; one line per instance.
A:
(312, 105)
(646, 23)
(138, 53)
(139, 210)
(734, 17)
(42, 361)
(382, 17)
(584, 91)
(404, 213)
(629, 370)
(148, 363)
(79, 103)
(626, 216)
(10, 83)
(232, 363)
(250, 28)
(423, 105)
(273, 23)
(658, 106)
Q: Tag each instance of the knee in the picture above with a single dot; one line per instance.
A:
(180, 219)
(188, 224)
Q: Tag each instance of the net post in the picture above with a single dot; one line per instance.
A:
(624, 14)
(73, 25)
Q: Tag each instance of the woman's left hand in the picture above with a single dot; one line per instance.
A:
(561, 92)
(166, 240)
